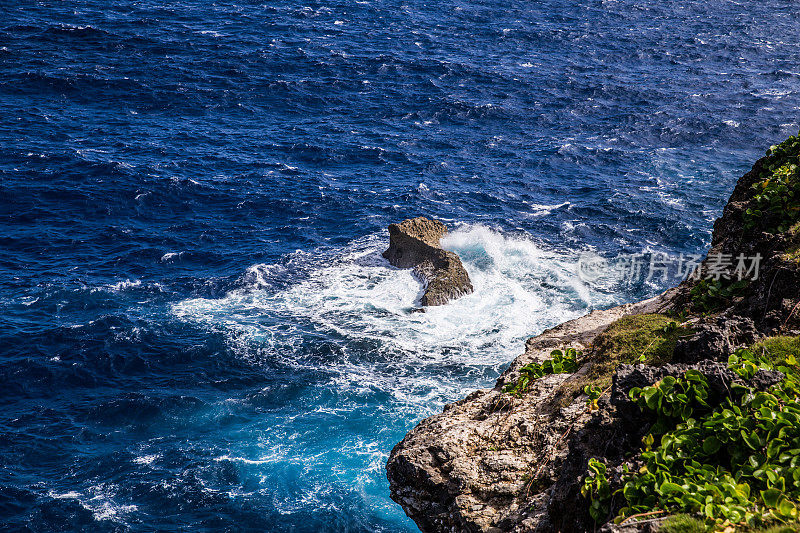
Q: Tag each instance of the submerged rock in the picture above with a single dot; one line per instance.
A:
(414, 243)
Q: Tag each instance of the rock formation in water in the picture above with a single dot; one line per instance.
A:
(496, 461)
(414, 243)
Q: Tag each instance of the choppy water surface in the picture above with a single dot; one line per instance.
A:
(197, 330)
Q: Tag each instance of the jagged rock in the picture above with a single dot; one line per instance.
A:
(414, 243)
(468, 468)
(771, 300)
(719, 336)
(497, 463)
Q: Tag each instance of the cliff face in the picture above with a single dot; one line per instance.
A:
(499, 461)
(479, 465)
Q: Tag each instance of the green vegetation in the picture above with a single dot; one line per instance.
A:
(792, 255)
(794, 527)
(592, 396)
(648, 339)
(775, 206)
(597, 489)
(638, 338)
(776, 350)
(734, 465)
(673, 398)
(565, 362)
(712, 295)
(682, 523)
(680, 316)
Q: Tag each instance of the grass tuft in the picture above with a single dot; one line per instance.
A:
(683, 523)
(648, 339)
(778, 349)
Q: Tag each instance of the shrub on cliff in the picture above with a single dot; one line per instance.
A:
(775, 205)
(735, 464)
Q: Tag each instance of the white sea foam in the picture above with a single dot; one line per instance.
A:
(146, 459)
(361, 301)
(99, 500)
(65, 496)
(28, 300)
(538, 210)
(122, 285)
(382, 366)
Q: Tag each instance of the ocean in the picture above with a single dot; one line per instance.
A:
(197, 330)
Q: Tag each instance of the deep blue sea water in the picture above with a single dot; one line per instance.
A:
(197, 331)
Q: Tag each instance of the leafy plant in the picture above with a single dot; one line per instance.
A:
(735, 464)
(712, 295)
(565, 362)
(776, 200)
(593, 395)
(671, 327)
(673, 398)
(597, 490)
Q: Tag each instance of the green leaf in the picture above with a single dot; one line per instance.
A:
(751, 440)
(771, 497)
(711, 445)
(787, 509)
(668, 487)
(744, 490)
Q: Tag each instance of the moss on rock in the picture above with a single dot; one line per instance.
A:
(683, 523)
(778, 348)
(645, 338)
(638, 338)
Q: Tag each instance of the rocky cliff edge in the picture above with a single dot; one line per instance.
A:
(501, 461)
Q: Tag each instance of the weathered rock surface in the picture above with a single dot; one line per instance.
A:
(494, 462)
(468, 468)
(719, 335)
(414, 243)
(771, 300)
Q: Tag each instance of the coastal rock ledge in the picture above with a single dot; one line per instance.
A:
(471, 467)
(513, 458)
(414, 243)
